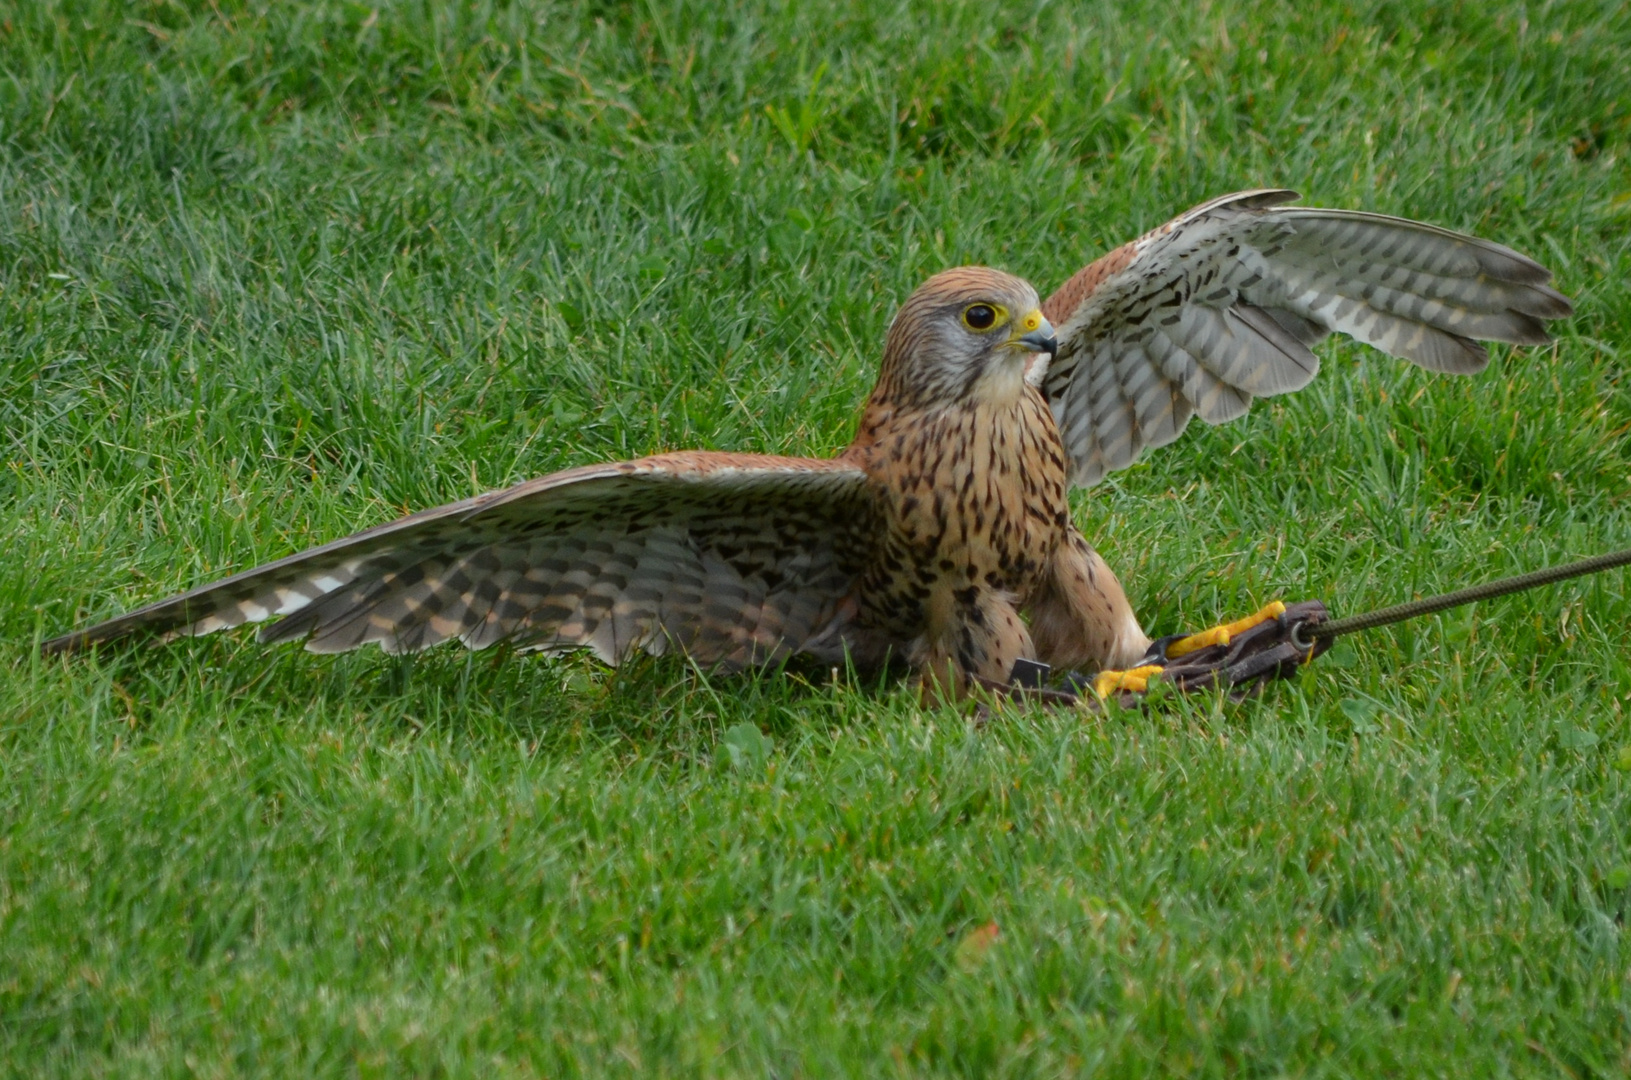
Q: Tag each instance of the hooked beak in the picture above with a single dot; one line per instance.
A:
(1040, 338)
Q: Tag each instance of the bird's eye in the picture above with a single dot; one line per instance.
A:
(979, 316)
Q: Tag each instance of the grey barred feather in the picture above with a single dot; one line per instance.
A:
(735, 559)
(1221, 305)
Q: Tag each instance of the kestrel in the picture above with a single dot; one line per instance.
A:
(941, 536)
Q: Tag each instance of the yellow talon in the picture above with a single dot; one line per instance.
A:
(1133, 680)
(1220, 635)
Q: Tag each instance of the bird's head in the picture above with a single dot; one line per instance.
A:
(967, 334)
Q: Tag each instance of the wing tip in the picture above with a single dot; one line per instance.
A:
(66, 643)
(1529, 330)
(1446, 353)
(1546, 302)
(118, 630)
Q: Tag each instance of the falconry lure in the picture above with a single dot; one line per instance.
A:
(942, 535)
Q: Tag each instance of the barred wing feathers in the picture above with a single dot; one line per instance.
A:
(1221, 304)
(735, 559)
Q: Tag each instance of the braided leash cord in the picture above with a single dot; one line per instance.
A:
(1303, 635)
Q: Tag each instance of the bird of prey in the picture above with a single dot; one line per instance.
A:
(941, 536)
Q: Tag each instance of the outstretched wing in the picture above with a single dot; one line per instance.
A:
(1220, 305)
(733, 558)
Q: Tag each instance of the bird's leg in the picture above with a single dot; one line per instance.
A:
(1160, 654)
(1238, 657)
(1081, 618)
(974, 636)
(1223, 632)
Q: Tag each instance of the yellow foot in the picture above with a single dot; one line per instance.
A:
(1133, 680)
(1220, 635)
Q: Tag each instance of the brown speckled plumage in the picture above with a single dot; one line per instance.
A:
(942, 535)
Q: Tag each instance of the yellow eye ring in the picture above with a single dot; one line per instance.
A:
(983, 317)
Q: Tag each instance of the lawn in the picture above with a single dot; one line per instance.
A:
(271, 272)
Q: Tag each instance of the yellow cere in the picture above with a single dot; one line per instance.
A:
(1031, 322)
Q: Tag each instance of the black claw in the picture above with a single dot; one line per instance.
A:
(1029, 674)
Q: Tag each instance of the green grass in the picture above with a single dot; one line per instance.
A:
(272, 272)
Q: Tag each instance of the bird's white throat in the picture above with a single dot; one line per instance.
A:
(1005, 380)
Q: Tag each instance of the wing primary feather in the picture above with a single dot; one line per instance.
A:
(1226, 300)
(600, 558)
(1415, 244)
